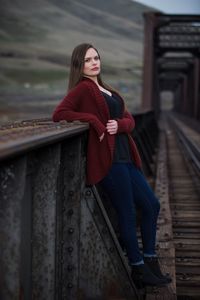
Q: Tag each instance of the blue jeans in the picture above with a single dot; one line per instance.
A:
(127, 189)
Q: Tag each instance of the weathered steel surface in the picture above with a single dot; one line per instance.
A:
(12, 183)
(44, 183)
(111, 274)
(56, 239)
(90, 267)
(20, 137)
(145, 135)
(149, 61)
(73, 166)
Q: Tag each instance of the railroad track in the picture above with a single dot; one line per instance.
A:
(184, 187)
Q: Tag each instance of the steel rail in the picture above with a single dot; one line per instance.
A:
(191, 149)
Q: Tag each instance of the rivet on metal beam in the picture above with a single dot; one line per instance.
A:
(71, 230)
(70, 249)
(88, 193)
(71, 193)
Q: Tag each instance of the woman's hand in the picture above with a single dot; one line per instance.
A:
(112, 126)
(101, 137)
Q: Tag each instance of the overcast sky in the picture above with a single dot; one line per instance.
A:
(174, 6)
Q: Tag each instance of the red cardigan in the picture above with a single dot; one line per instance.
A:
(86, 103)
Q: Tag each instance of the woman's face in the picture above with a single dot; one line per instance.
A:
(91, 63)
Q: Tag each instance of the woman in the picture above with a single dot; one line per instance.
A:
(113, 160)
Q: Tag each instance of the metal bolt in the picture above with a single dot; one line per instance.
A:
(71, 193)
(70, 249)
(70, 230)
(88, 193)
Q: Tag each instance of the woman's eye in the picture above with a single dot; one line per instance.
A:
(96, 58)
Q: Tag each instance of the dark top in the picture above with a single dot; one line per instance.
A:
(122, 148)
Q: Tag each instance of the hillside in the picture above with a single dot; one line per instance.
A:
(37, 38)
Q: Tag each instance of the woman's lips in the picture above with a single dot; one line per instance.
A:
(95, 69)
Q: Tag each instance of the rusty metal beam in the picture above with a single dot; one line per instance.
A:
(12, 182)
(44, 175)
(56, 241)
(172, 43)
(149, 61)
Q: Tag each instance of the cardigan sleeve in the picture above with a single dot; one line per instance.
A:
(69, 110)
(126, 124)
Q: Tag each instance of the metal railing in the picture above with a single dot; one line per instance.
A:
(57, 241)
(189, 146)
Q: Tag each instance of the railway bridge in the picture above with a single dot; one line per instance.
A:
(59, 237)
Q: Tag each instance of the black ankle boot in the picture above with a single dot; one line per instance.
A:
(142, 276)
(153, 264)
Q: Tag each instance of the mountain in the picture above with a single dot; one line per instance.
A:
(56, 26)
(37, 38)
